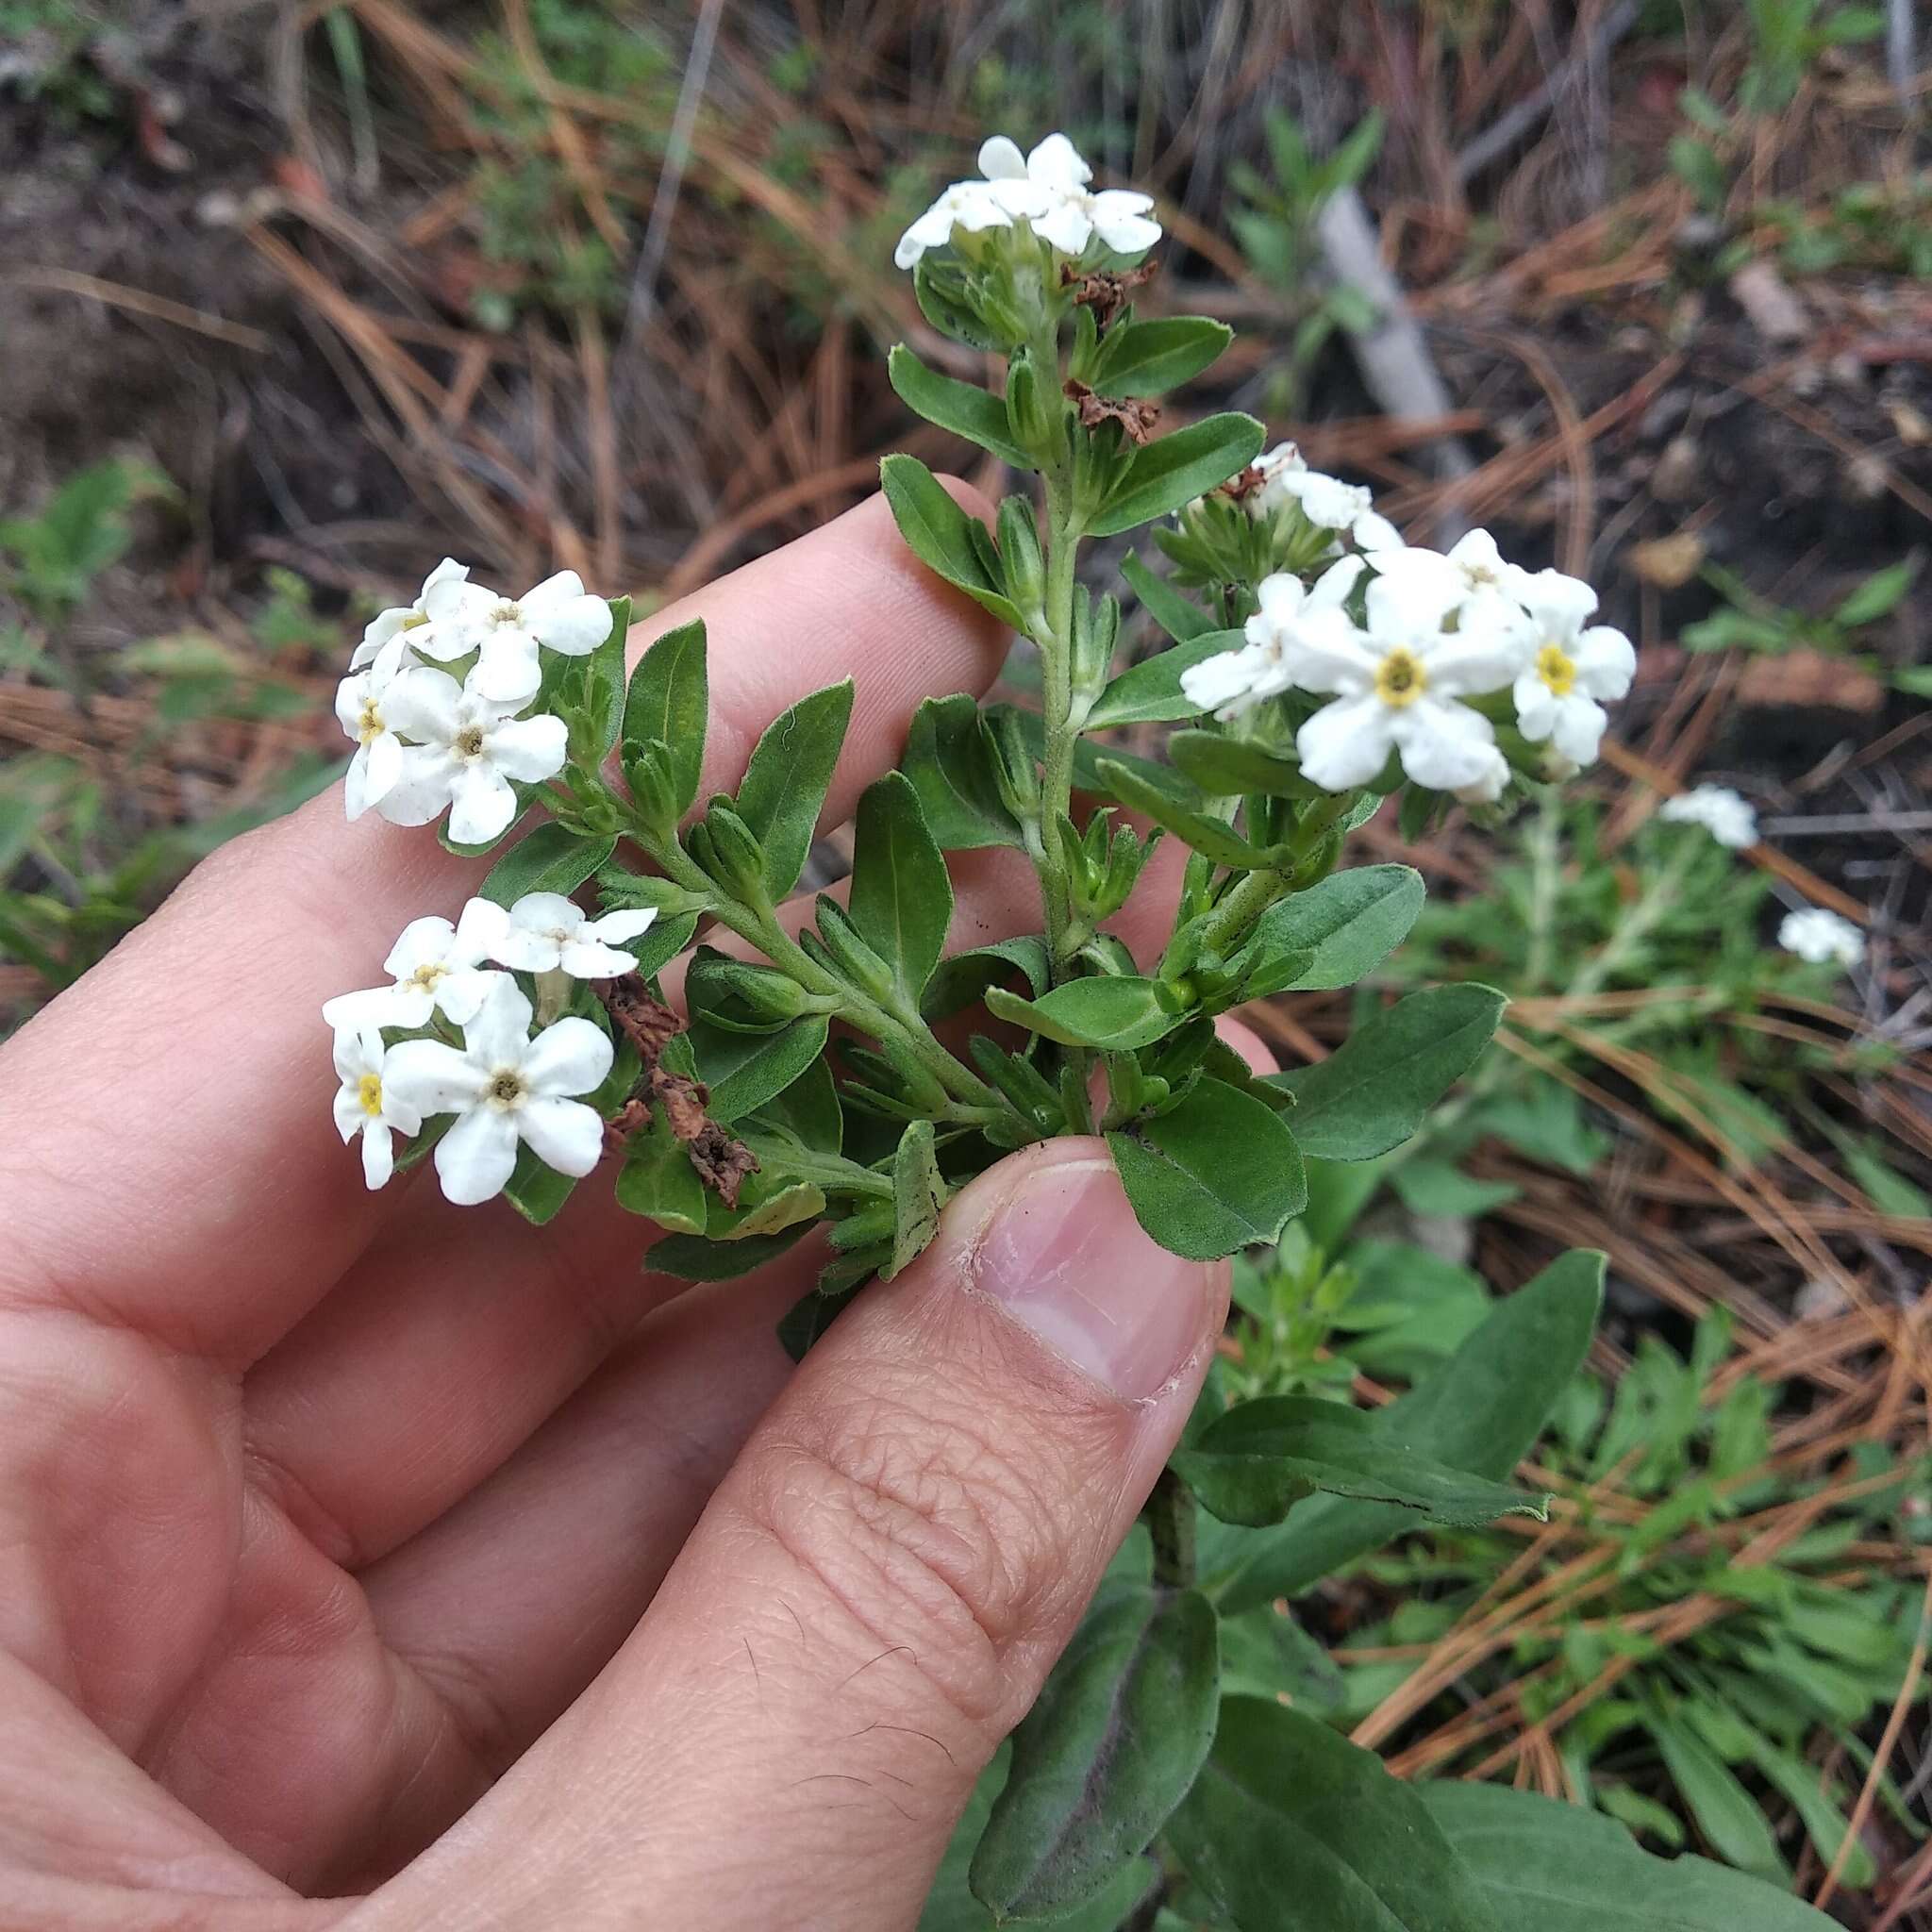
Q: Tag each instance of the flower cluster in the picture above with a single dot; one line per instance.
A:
(452, 1035)
(439, 694)
(1728, 817)
(1409, 642)
(1047, 191)
(1821, 938)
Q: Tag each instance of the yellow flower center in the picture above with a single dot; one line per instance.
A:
(414, 620)
(429, 974)
(1400, 678)
(369, 1091)
(506, 1087)
(1557, 669)
(370, 725)
(468, 742)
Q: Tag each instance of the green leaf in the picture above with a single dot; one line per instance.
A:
(1150, 691)
(952, 1907)
(809, 1316)
(1148, 358)
(744, 1070)
(1265, 1653)
(785, 783)
(1251, 1465)
(951, 766)
(657, 1180)
(1727, 1813)
(535, 1190)
(1481, 1411)
(662, 944)
(1289, 1827)
(1178, 616)
(1544, 1866)
(1349, 922)
(692, 1258)
(1216, 1173)
(1877, 596)
(901, 899)
(1376, 1089)
(794, 1204)
(962, 980)
(669, 700)
(1106, 1754)
(1172, 471)
(1228, 767)
(940, 534)
(550, 859)
(1210, 837)
(917, 1195)
(963, 407)
(808, 1109)
(1118, 1013)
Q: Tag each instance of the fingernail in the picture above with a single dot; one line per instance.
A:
(1063, 1255)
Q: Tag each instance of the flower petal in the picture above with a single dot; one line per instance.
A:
(1281, 596)
(586, 960)
(1443, 744)
(1064, 226)
(575, 627)
(476, 1158)
(1121, 226)
(509, 670)
(1345, 744)
(421, 942)
(1606, 661)
(423, 789)
(1335, 583)
(1225, 679)
(478, 925)
(350, 1115)
(423, 703)
(1409, 608)
(378, 1154)
(500, 1033)
(1000, 159)
(431, 1077)
(529, 748)
(462, 992)
(565, 1134)
(1056, 163)
(526, 950)
(374, 772)
(1323, 652)
(1578, 731)
(614, 928)
(572, 1057)
(481, 805)
(1480, 659)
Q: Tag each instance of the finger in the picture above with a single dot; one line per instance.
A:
(873, 1596)
(189, 1068)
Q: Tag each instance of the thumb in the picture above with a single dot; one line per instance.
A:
(874, 1595)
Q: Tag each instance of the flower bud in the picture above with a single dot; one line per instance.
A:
(1020, 556)
(745, 998)
(1015, 771)
(729, 851)
(850, 957)
(647, 770)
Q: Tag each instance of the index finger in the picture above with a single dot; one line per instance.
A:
(166, 1155)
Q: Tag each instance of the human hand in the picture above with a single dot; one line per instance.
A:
(360, 1546)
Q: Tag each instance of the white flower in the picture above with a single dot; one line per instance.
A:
(1326, 502)
(549, 933)
(505, 1087)
(1569, 667)
(360, 711)
(558, 616)
(1397, 685)
(968, 205)
(1821, 937)
(401, 619)
(1721, 811)
(366, 1105)
(1472, 567)
(1048, 189)
(434, 964)
(467, 749)
(1231, 682)
(1491, 785)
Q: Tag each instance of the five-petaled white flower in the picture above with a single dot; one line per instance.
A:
(1048, 189)
(401, 620)
(1230, 683)
(1472, 567)
(361, 711)
(1569, 667)
(1721, 811)
(1397, 686)
(1821, 937)
(548, 933)
(1326, 502)
(434, 964)
(467, 749)
(367, 1104)
(558, 616)
(504, 1087)
(968, 205)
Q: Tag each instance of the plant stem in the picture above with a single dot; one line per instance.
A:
(1239, 907)
(1170, 1514)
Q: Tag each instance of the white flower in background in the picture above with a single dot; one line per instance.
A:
(1231, 682)
(1397, 686)
(1721, 811)
(467, 749)
(1569, 667)
(968, 205)
(558, 616)
(400, 619)
(1327, 502)
(505, 1087)
(1048, 189)
(366, 1105)
(360, 711)
(1821, 937)
(548, 933)
(434, 964)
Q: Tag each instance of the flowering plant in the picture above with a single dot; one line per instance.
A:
(1315, 667)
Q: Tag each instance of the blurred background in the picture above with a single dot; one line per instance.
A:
(296, 299)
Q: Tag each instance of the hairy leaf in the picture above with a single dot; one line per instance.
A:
(1171, 472)
(785, 783)
(669, 700)
(902, 899)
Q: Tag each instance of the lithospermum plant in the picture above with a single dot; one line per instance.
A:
(845, 1076)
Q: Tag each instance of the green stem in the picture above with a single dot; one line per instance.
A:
(1544, 856)
(1170, 1514)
